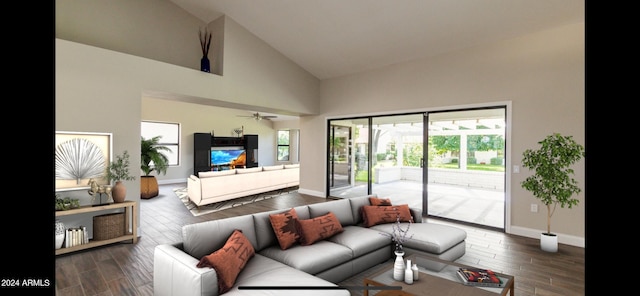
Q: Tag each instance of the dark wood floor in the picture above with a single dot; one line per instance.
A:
(127, 269)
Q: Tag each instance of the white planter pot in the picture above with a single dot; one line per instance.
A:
(549, 242)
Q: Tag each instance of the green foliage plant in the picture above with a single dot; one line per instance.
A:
(118, 170)
(151, 151)
(552, 181)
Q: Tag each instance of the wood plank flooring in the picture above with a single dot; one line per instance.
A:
(127, 269)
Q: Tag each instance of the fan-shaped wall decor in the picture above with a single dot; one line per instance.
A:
(80, 157)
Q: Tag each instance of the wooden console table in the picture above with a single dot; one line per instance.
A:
(129, 207)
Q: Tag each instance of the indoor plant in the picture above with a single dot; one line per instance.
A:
(151, 159)
(118, 171)
(551, 181)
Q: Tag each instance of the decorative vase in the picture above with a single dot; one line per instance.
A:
(408, 273)
(119, 192)
(205, 65)
(60, 230)
(416, 272)
(398, 267)
(549, 242)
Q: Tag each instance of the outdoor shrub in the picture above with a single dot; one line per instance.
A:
(471, 160)
(496, 161)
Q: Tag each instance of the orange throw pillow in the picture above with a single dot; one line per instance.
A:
(375, 201)
(374, 215)
(229, 260)
(318, 228)
(284, 226)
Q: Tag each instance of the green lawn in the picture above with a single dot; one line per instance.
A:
(472, 167)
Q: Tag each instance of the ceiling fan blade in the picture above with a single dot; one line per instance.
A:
(257, 116)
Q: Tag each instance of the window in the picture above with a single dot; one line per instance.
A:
(170, 133)
(283, 145)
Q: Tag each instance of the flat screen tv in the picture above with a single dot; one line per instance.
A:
(222, 157)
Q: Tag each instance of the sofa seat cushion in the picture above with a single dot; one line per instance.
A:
(428, 237)
(361, 240)
(311, 259)
(261, 271)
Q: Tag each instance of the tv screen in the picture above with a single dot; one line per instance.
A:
(225, 157)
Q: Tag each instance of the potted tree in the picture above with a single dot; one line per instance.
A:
(552, 181)
(118, 171)
(152, 159)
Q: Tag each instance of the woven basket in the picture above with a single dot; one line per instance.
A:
(108, 226)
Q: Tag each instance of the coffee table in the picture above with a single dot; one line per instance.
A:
(437, 277)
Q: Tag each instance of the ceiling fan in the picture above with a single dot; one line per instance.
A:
(258, 116)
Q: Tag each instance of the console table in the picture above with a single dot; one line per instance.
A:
(129, 207)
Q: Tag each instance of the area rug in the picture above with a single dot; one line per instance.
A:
(181, 193)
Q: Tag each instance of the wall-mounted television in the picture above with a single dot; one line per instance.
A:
(223, 158)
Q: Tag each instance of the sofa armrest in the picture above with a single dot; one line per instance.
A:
(417, 215)
(194, 189)
(175, 273)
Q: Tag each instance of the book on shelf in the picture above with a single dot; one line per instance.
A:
(479, 277)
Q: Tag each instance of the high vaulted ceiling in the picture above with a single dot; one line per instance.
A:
(332, 38)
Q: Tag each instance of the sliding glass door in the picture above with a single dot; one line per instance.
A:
(397, 155)
(453, 169)
(348, 172)
(466, 166)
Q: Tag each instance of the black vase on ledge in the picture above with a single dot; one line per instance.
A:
(205, 66)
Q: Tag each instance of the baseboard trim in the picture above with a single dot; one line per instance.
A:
(311, 192)
(566, 239)
(172, 181)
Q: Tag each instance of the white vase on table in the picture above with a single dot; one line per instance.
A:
(398, 266)
(408, 273)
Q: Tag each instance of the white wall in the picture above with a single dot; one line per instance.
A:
(540, 75)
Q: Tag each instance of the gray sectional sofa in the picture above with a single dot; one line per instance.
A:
(320, 265)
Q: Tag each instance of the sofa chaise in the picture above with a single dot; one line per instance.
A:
(311, 260)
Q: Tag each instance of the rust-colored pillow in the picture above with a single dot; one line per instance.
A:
(318, 228)
(375, 201)
(284, 226)
(374, 215)
(229, 260)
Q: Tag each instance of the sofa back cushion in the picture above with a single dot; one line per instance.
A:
(356, 206)
(265, 235)
(249, 170)
(216, 173)
(201, 239)
(341, 208)
(273, 167)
